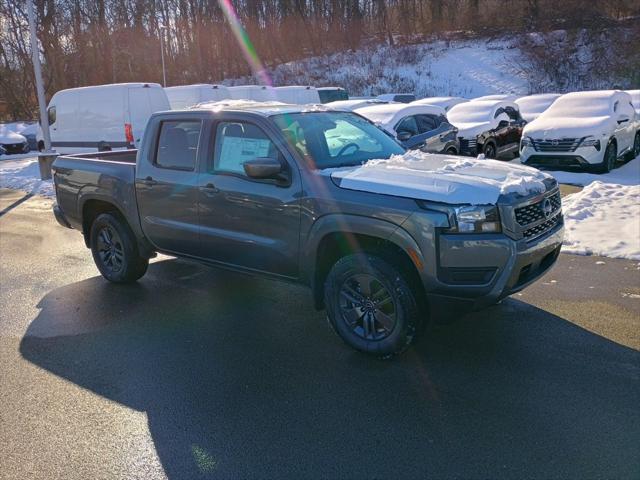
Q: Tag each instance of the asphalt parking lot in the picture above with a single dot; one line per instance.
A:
(200, 373)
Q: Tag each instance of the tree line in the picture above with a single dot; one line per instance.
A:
(89, 42)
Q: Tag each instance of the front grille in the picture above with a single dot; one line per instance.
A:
(468, 146)
(532, 213)
(542, 228)
(556, 145)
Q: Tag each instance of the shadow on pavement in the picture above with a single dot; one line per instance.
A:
(240, 377)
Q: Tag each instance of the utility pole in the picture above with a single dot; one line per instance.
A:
(37, 71)
(164, 73)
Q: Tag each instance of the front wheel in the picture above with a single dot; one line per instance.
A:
(115, 251)
(609, 159)
(371, 306)
(635, 151)
(489, 150)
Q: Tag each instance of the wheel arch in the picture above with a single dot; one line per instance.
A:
(334, 238)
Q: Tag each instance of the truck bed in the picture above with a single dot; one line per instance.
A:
(120, 156)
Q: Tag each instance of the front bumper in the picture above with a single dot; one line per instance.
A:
(61, 219)
(582, 157)
(15, 148)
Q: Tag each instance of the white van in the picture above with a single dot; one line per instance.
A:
(258, 93)
(185, 96)
(297, 95)
(103, 117)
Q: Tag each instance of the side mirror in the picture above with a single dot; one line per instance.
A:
(404, 136)
(503, 124)
(263, 168)
(623, 119)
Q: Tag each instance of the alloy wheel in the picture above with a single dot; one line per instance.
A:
(367, 307)
(110, 249)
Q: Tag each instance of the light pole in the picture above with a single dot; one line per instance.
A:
(37, 73)
(164, 73)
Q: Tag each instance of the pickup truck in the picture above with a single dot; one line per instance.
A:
(323, 198)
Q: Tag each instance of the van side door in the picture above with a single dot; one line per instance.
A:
(244, 222)
(167, 183)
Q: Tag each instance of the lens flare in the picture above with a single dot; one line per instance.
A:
(248, 50)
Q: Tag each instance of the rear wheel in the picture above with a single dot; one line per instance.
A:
(451, 151)
(371, 306)
(609, 159)
(115, 251)
(489, 150)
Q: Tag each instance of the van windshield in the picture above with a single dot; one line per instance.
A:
(335, 139)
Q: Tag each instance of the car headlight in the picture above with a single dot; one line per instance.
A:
(476, 219)
(590, 142)
(526, 142)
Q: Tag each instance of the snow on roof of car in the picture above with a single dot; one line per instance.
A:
(595, 103)
(476, 111)
(444, 102)
(501, 96)
(196, 85)
(263, 108)
(352, 104)
(532, 106)
(388, 114)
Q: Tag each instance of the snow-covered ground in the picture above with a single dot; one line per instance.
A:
(602, 219)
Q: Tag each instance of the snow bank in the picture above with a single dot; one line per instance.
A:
(441, 178)
(24, 175)
(603, 219)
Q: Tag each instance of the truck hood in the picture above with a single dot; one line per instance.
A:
(567, 127)
(472, 130)
(441, 178)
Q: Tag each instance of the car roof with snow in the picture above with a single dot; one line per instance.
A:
(533, 105)
(389, 114)
(501, 96)
(354, 103)
(590, 103)
(265, 109)
(444, 102)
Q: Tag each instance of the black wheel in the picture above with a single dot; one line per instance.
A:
(371, 306)
(489, 150)
(41, 146)
(635, 151)
(451, 151)
(609, 159)
(115, 251)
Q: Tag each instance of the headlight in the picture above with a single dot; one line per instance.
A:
(590, 142)
(526, 142)
(476, 219)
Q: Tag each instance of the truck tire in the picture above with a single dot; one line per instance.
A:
(114, 249)
(371, 306)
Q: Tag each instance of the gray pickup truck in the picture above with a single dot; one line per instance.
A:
(301, 195)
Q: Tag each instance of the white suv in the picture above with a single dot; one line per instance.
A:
(583, 129)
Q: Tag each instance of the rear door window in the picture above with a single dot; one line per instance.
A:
(427, 123)
(178, 144)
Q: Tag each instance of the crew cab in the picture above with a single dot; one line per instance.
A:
(319, 197)
(586, 130)
(423, 127)
(489, 127)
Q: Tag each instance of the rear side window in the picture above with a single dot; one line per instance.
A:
(178, 144)
(426, 123)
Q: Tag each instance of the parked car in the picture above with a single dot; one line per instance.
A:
(507, 97)
(589, 130)
(13, 143)
(489, 127)
(444, 102)
(264, 189)
(532, 106)
(103, 117)
(423, 127)
(297, 95)
(258, 93)
(332, 94)
(185, 96)
(28, 129)
(352, 104)
(397, 97)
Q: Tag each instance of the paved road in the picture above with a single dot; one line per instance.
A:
(197, 373)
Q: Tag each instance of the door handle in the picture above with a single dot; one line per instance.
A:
(149, 181)
(209, 189)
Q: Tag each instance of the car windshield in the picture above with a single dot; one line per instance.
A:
(470, 112)
(335, 139)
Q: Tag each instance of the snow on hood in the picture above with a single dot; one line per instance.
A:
(7, 136)
(441, 178)
(472, 130)
(546, 126)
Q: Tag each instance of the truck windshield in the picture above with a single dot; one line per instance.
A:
(335, 139)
